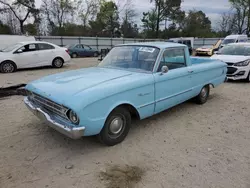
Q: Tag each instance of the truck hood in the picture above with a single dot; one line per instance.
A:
(60, 87)
(230, 58)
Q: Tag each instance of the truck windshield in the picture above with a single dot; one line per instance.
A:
(132, 58)
(228, 41)
(235, 50)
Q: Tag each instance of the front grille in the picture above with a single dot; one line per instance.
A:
(229, 64)
(48, 105)
(231, 70)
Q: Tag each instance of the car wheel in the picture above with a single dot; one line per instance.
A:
(57, 62)
(248, 77)
(203, 95)
(7, 67)
(74, 55)
(96, 54)
(116, 127)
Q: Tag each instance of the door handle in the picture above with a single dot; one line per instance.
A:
(190, 71)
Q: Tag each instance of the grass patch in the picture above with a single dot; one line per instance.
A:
(122, 176)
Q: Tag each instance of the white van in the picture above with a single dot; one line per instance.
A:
(234, 39)
(8, 40)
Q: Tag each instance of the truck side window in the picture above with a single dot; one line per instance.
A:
(173, 58)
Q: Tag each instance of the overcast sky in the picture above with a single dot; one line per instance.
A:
(213, 8)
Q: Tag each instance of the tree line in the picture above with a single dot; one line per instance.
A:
(105, 18)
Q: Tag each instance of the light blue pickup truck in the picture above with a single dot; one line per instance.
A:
(132, 81)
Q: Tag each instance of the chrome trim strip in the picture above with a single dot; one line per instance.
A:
(142, 106)
(72, 132)
(169, 97)
(163, 99)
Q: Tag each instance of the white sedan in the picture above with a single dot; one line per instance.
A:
(237, 57)
(32, 54)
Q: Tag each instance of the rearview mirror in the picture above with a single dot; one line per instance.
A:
(164, 69)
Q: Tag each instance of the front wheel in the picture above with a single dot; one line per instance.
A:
(116, 127)
(248, 77)
(7, 67)
(74, 55)
(203, 95)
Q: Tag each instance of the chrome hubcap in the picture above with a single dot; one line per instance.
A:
(58, 63)
(8, 67)
(116, 125)
(204, 93)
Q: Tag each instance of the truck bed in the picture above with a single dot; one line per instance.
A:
(199, 60)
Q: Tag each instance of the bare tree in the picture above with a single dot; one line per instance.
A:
(21, 9)
(241, 14)
(57, 12)
(88, 9)
(227, 24)
(129, 11)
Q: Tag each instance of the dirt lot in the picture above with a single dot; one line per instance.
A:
(187, 146)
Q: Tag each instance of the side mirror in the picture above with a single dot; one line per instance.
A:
(19, 51)
(164, 70)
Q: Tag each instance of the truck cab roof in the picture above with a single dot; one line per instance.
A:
(160, 45)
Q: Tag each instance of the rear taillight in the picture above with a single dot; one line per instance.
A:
(67, 51)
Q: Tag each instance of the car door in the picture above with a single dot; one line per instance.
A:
(27, 56)
(46, 54)
(217, 45)
(88, 50)
(82, 50)
(79, 50)
(175, 86)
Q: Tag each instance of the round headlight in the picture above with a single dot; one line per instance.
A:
(73, 117)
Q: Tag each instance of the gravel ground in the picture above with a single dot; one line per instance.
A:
(187, 146)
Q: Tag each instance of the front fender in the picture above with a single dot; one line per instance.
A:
(94, 115)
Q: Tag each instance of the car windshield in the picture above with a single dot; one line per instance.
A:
(228, 41)
(132, 58)
(69, 46)
(235, 50)
(11, 47)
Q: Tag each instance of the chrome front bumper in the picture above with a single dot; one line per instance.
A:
(71, 132)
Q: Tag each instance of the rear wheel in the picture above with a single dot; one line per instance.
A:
(203, 95)
(7, 67)
(116, 127)
(57, 62)
(96, 54)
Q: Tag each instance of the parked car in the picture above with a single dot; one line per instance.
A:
(81, 50)
(189, 41)
(133, 80)
(234, 39)
(32, 54)
(208, 50)
(237, 57)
